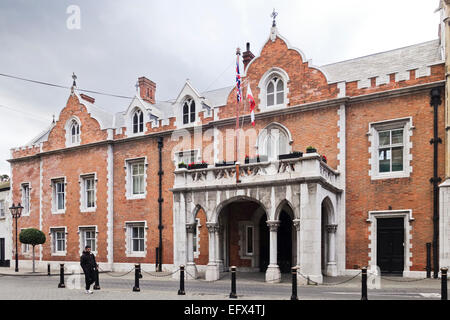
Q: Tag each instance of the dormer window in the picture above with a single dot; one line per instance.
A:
(275, 92)
(138, 121)
(75, 132)
(189, 111)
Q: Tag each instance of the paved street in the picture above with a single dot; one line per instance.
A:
(249, 287)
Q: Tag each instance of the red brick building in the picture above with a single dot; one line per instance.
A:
(94, 177)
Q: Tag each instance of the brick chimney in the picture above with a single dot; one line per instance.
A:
(247, 56)
(147, 90)
(87, 98)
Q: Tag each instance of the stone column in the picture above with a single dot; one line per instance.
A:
(219, 260)
(273, 273)
(300, 279)
(191, 268)
(212, 270)
(331, 265)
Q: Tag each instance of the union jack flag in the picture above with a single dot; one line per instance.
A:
(238, 82)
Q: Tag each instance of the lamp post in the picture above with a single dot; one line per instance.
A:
(16, 212)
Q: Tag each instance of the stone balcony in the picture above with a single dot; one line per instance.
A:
(308, 168)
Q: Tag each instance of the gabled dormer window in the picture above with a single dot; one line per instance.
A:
(138, 121)
(275, 92)
(189, 111)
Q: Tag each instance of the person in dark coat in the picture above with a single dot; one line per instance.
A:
(89, 266)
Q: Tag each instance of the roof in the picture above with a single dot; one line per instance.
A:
(384, 63)
(401, 60)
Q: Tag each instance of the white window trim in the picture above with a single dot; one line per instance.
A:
(82, 182)
(265, 79)
(3, 217)
(197, 230)
(129, 120)
(177, 159)
(129, 181)
(128, 244)
(261, 140)
(243, 240)
(24, 212)
(374, 127)
(180, 123)
(408, 218)
(53, 249)
(54, 199)
(81, 229)
(68, 128)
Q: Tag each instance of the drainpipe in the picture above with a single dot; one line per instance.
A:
(160, 201)
(435, 102)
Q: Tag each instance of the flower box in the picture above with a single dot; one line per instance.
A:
(311, 150)
(292, 155)
(194, 166)
(225, 164)
(256, 160)
(182, 165)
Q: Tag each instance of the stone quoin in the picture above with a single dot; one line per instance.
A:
(92, 176)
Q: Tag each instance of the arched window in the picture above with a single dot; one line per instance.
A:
(138, 121)
(275, 92)
(273, 141)
(189, 111)
(74, 132)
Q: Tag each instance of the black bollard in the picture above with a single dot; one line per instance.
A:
(137, 272)
(233, 283)
(140, 271)
(97, 280)
(48, 269)
(444, 284)
(181, 291)
(61, 276)
(428, 268)
(294, 284)
(156, 258)
(364, 284)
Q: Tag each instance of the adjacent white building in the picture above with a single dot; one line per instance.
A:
(5, 225)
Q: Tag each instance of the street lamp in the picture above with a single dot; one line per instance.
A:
(16, 212)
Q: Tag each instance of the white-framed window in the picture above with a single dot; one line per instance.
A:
(136, 239)
(88, 237)
(25, 188)
(138, 121)
(26, 248)
(189, 114)
(275, 91)
(88, 192)
(249, 240)
(390, 148)
(2, 209)
(273, 141)
(75, 132)
(59, 243)
(186, 157)
(59, 195)
(136, 178)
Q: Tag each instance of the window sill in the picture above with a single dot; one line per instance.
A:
(59, 254)
(136, 255)
(84, 210)
(137, 197)
(59, 212)
(390, 175)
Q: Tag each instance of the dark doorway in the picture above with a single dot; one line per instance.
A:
(390, 245)
(2, 249)
(264, 243)
(285, 242)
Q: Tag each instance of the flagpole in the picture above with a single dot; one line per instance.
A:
(238, 92)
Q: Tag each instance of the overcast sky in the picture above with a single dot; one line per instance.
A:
(170, 41)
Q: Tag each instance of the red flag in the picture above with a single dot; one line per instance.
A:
(251, 100)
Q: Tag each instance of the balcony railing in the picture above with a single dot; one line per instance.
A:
(307, 168)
